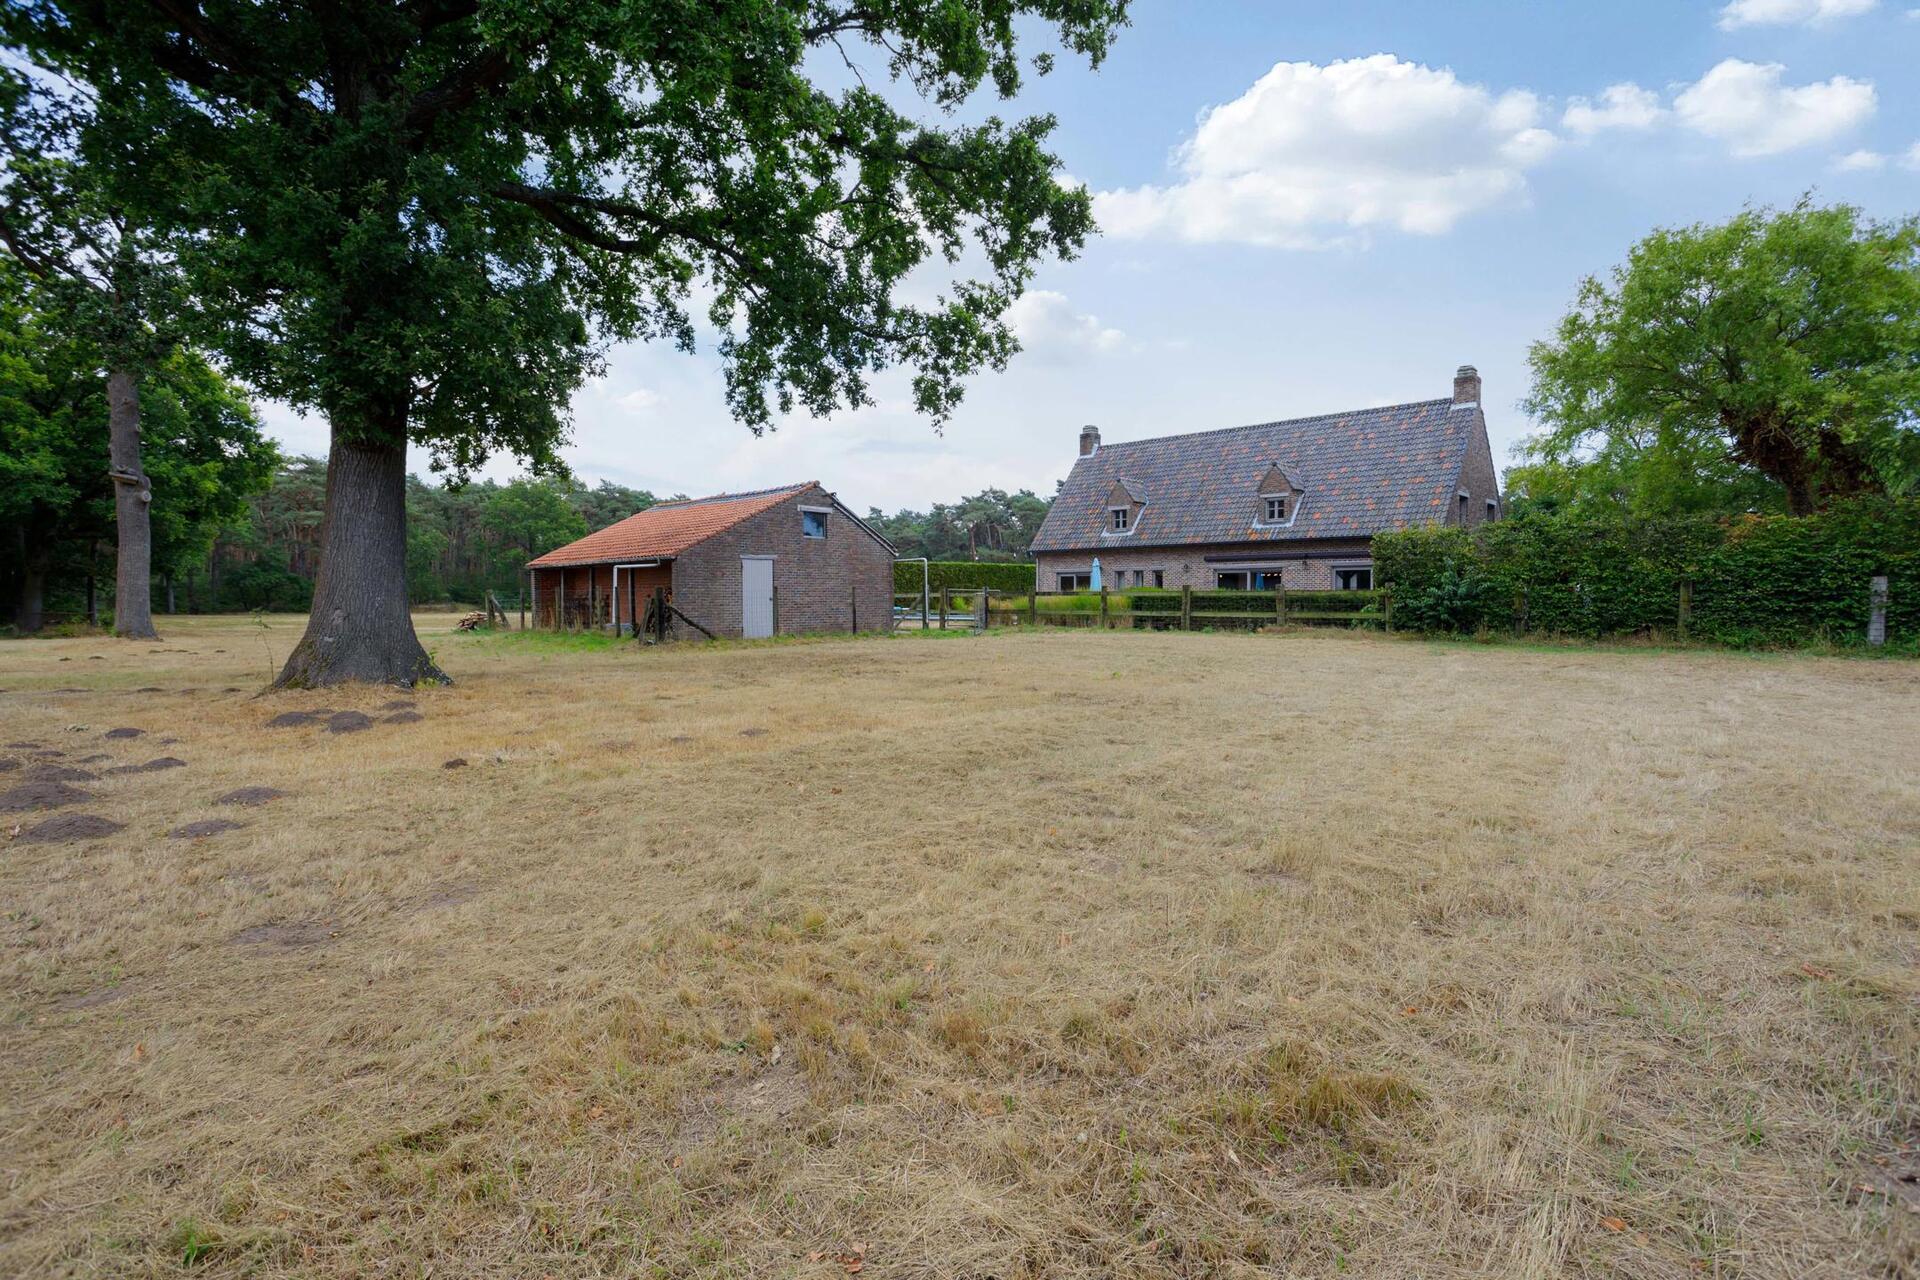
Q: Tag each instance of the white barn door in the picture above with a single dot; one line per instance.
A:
(756, 596)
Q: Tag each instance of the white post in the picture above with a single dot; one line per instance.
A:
(1877, 620)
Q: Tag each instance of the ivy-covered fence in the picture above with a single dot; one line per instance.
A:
(963, 575)
(1746, 581)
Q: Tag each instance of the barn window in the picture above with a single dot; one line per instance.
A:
(813, 524)
(1356, 578)
(1075, 581)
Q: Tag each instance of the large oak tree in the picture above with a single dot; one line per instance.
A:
(1778, 345)
(62, 226)
(421, 217)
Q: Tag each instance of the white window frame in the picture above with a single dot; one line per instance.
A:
(1294, 502)
(823, 513)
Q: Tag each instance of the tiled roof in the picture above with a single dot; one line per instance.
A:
(667, 528)
(1359, 473)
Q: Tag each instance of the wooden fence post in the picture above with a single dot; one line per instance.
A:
(1033, 603)
(853, 605)
(944, 592)
(1877, 618)
(1103, 607)
(1686, 606)
(986, 619)
(522, 602)
(1186, 608)
(1386, 603)
(1280, 603)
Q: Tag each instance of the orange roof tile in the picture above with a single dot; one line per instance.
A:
(667, 528)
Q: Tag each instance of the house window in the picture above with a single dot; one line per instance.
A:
(1463, 508)
(1075, 581)
(813, 524)
(1139, 577)
(1493, 509)
(1276, 510)
(1120, 519)
(1354, 579)
(1159, 577)
(1266, 580)
(1231, 580)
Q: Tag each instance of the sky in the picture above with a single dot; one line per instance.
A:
(1316, 205)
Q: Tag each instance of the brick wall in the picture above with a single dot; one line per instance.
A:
(1189, 567)
(1478, 477)
(815, 580)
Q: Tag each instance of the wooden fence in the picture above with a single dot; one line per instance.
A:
(1183, 610)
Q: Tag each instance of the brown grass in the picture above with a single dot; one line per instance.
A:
(1071, 954)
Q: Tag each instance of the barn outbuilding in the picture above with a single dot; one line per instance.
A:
(773, 562)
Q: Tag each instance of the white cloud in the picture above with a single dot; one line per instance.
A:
(1778, 13)
(1622, 106)
(640, 399)
(1860, 162)
(1050, 329)
(1313, 153)
(1911, 159)
(1744, 105)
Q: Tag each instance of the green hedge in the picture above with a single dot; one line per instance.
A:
(1756, 580)
(962, 575)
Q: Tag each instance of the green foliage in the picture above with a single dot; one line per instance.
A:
(202, 444)
(419, 221)
(1764, 362)
(962, 575)
(462, 541)
(1755, 580)
(990, 525)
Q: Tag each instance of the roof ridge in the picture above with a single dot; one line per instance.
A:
(725, 497)
(1277, 422)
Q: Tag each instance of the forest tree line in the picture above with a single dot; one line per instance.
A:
(464, 541)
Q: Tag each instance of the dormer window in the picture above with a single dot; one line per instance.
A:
(1120, 519)
(1276, 510)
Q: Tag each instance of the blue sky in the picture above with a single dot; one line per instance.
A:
(1326, 204)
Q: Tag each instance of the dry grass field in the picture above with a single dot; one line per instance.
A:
(1063, 954)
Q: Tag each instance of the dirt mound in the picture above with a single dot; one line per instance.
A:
(151, 766)
(349, 722)
(458, 762)
(123, 733)
(58, 773)
(69, 826)
(250, 796)
(292, 720)
(399, 704)
(41, 795)
(149, 688)
(205, 827)
(298, 935)
(402, 717)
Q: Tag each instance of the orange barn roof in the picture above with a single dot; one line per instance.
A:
(668, 528)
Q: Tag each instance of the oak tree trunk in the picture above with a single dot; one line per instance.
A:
(132, 495)
(30, 605)
(359, 628)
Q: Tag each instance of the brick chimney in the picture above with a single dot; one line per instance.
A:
(1089, 440)
(1466, 386)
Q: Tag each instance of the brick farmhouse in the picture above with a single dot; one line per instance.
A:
(772, 562)
(1292, 503)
